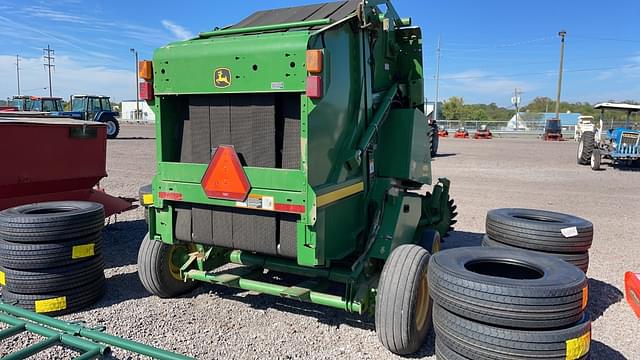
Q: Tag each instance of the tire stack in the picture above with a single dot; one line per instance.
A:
(564, 236)
(494, 304)
(51, 256)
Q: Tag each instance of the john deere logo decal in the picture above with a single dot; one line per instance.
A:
(222, 78)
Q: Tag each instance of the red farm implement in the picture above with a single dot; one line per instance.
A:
(54, 160)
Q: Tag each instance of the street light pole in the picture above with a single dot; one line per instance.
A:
(562, 36)
(137, 116)
(18, 72)
(435, 105)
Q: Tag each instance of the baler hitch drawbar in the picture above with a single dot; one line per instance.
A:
(92, 343)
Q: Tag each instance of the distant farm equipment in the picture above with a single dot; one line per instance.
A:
(483, 133)
(461, 133)
(621, 145)
(552, 130)
(94, 108)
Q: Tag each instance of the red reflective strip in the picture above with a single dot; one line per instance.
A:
(292, 208)
(170, 195)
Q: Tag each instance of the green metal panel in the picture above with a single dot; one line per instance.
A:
(406, 136)
(399, 222)
(337, 120)
(273, 62)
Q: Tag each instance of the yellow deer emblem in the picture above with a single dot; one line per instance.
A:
(222, 78)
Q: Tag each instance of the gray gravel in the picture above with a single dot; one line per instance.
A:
(214, 322)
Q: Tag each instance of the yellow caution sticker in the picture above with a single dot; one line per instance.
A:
(578, 347)
(51, 305)
(83, 251)
(585, 297)
(3, 279)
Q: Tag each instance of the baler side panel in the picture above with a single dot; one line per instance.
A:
(257, 63)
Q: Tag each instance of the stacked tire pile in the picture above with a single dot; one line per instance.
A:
(494, 304)
(50, 256)
(564, 236)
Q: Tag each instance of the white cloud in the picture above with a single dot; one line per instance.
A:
(69, 77)
(178, 31)
(482, 86)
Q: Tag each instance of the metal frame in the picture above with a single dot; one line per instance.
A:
(92, 343)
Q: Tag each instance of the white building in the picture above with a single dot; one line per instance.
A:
(128, 111)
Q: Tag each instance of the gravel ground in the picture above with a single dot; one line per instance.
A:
(214, 322)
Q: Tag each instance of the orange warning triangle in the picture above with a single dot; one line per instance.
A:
(225, 177)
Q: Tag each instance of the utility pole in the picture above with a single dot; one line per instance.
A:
(562, 35)
(435, 105)
(137, 117)
(49, 57)
(18, 72)
(516, 101)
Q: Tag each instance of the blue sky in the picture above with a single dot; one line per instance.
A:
(488, 47)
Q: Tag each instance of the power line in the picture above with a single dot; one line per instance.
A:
(49, 57)
(605, 39)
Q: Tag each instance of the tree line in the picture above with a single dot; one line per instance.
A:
(455, 109)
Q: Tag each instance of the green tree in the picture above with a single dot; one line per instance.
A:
(452, 109)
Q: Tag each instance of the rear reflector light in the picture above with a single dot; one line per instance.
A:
(225, 177)
(290, 208)
(314, 61)
(169, 195)
(146, 91)
(145, 70)
(314, 86)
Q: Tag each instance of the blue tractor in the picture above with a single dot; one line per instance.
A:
(94, 108)
(621, 145)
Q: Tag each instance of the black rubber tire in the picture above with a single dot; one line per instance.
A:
(539, 230)
(431, 241)
(53, 279)
(116, 126)
(51, 221)
(511, 288)
(397, 298)
(443, 352)
(587, 146)
(596, 159)
(480, 341)
(154, 272)
(75, 299)
(434, 140)
(580, 260)
(19, 256)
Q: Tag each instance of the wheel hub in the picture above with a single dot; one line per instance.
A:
(422, 303)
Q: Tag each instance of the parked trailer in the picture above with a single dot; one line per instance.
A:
(53, 160)
(295, 141)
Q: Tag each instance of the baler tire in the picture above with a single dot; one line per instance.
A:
(430, 240)
(154, 270)
(479, 341)
(53, 279)
(580, 260)
(434, 141)
(510, 288)
(400, 322)
(51, 221)
(19, 256)
(585, 147)
(539, 230)
(116, 128)
(59, 302)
